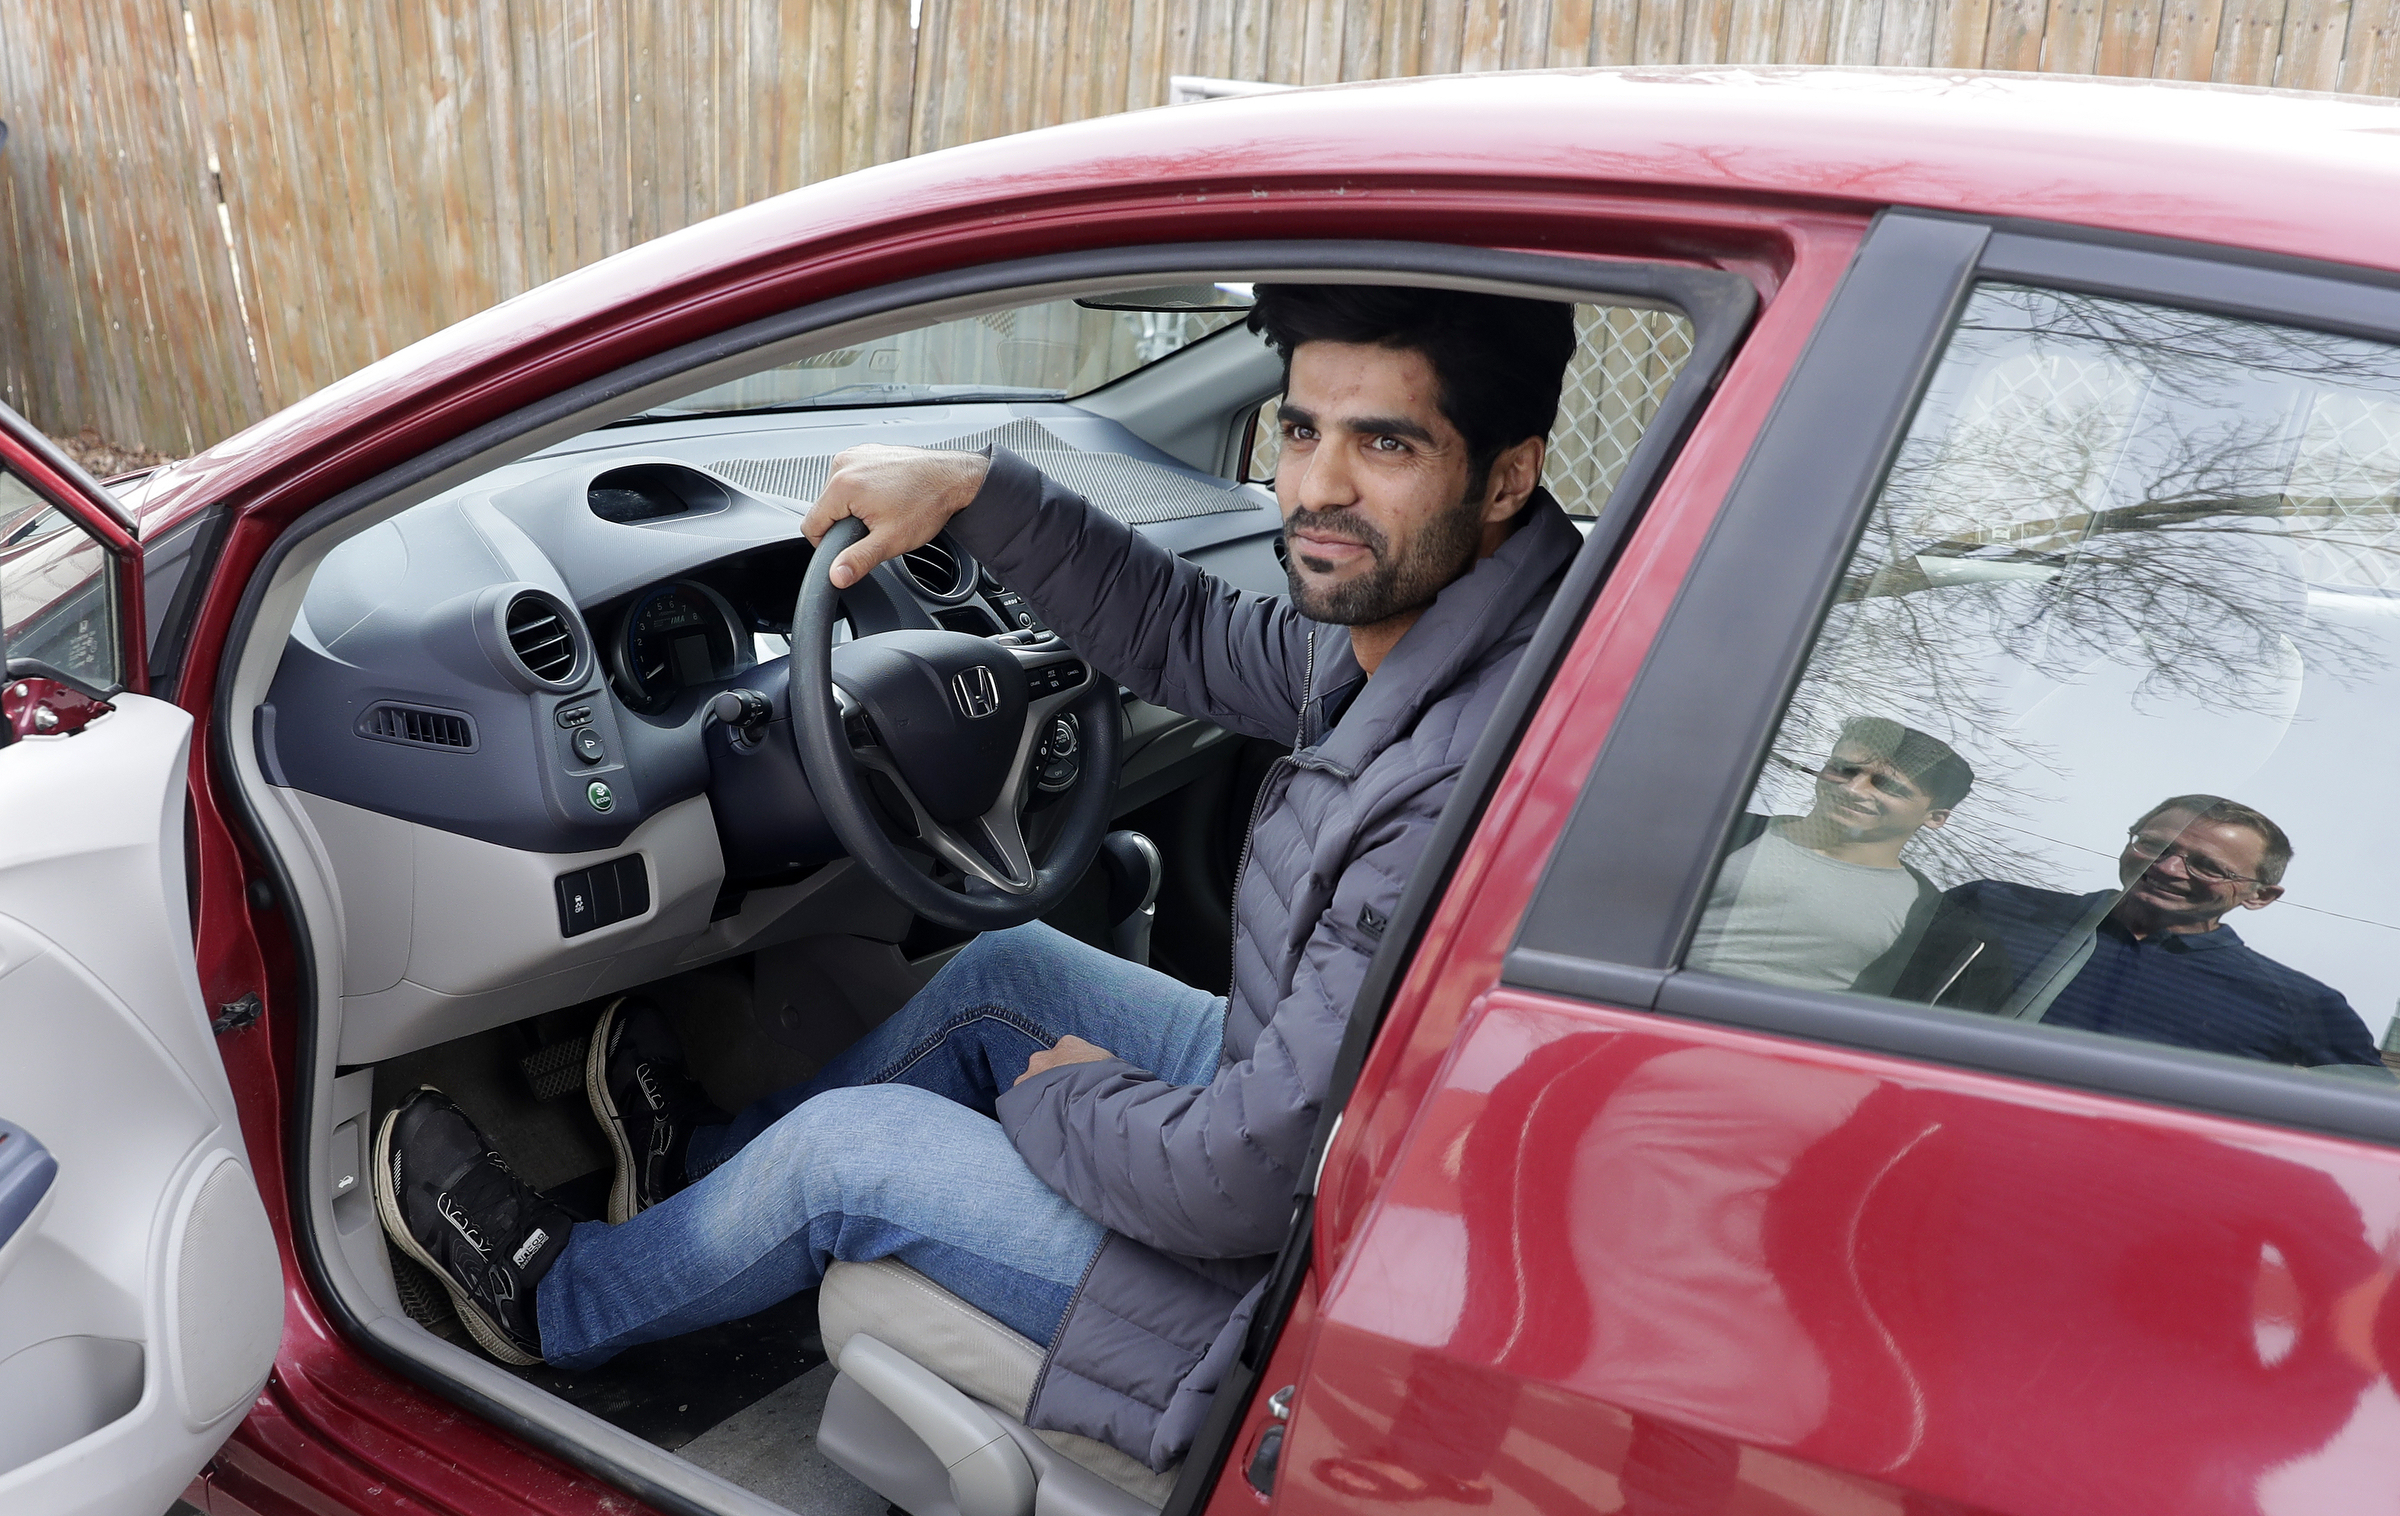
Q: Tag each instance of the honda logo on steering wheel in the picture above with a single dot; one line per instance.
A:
(977, 692)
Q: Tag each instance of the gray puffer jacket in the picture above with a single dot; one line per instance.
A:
(1196, 1182)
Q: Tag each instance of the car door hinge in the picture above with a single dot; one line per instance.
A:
(241, 1013)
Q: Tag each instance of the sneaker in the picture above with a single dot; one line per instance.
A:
(645, 1101)
(450, 1203)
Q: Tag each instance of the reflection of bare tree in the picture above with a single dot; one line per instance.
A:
(2097, 481)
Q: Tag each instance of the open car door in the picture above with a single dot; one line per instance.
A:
(141, 1297)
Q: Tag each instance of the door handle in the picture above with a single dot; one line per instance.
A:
(26, 1171)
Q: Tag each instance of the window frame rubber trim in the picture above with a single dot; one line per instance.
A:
(1642, 972)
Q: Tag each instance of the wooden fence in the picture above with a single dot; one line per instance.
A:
(209, 209)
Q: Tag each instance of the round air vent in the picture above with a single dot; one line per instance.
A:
(941, 571)
(544, 639)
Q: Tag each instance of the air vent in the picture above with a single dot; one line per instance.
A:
(418, 726)
(940, 571)
(542, 637)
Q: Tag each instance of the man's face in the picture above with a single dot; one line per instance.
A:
(2179, 870)
(1373, 485)
(1867, 800)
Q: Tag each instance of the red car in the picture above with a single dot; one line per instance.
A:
(2056, 423)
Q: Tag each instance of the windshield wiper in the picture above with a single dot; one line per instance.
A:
(856, 396)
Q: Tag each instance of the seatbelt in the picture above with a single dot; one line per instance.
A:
(2033, 996)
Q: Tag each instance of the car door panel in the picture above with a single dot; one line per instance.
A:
(141, 1290)
(1705, 1266)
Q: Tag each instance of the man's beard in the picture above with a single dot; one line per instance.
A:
(1441, 552)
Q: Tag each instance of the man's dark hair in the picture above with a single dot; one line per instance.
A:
(2278, 854)
(1498, 361)
(1927, 760)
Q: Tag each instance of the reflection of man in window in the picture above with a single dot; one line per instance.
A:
(2156, 961)
(1816, 901)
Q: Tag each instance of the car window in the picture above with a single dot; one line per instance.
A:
(58, 598)
(2089, 735)
(1053, 350)
(1625, 359)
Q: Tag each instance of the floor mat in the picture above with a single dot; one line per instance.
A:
(770, 1449)
(668, 1393)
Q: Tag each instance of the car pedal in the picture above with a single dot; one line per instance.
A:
(421, 1295)
(554, 1071)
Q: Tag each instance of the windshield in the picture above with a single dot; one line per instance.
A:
(1052, 351)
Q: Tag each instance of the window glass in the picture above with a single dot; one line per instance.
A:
(2092, 733)
(57, 592)
(1625, 361)
(1052, 351)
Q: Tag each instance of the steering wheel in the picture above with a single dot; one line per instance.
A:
(953, 721)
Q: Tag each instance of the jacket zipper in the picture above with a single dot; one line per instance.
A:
(1233, 952)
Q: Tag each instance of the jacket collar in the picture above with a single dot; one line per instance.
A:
(1503, 594)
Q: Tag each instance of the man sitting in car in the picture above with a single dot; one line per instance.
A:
(2155, 960)
(1825, 901)
(1069, 1142)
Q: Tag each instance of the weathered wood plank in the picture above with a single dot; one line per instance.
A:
(2187, 39)
(2249, 40)
(2128, 39)
(1962, 34)
(2071, 36)
(2015, 38)
(1483, 35)
(2314, 34)
(2371, 51)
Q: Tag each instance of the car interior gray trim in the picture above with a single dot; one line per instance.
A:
(1703, 780)
(989, 1475)
(1236, 371)
(190, 548)
(1720, 307)
(1715, 301)
(1626, 879)
(2150, 1071)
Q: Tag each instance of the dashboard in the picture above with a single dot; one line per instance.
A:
(527, 660)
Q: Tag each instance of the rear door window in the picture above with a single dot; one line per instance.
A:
(2091, 732)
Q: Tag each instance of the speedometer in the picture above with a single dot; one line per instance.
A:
(676, 636)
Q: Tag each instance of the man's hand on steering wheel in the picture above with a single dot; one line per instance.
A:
(903, 495)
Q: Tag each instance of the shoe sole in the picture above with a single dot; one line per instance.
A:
(479, 1324)
(626, 1186)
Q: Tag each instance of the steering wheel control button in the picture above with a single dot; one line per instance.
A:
(602, 895)
(574, 715)
(1051, 678)
(1058, 764)
(589, 747)
(603, 798)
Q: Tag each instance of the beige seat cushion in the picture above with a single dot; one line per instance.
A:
(902, 1309)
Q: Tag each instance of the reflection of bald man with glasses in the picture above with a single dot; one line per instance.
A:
(2154, 959)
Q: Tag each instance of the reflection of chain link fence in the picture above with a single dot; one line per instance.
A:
(1623, 364)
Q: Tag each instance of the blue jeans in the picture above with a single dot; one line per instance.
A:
(889, 1152)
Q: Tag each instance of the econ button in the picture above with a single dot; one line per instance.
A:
(601, 797)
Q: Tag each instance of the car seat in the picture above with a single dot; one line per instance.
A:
(927, 1409)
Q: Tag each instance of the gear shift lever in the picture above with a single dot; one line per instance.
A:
(1134, 871)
